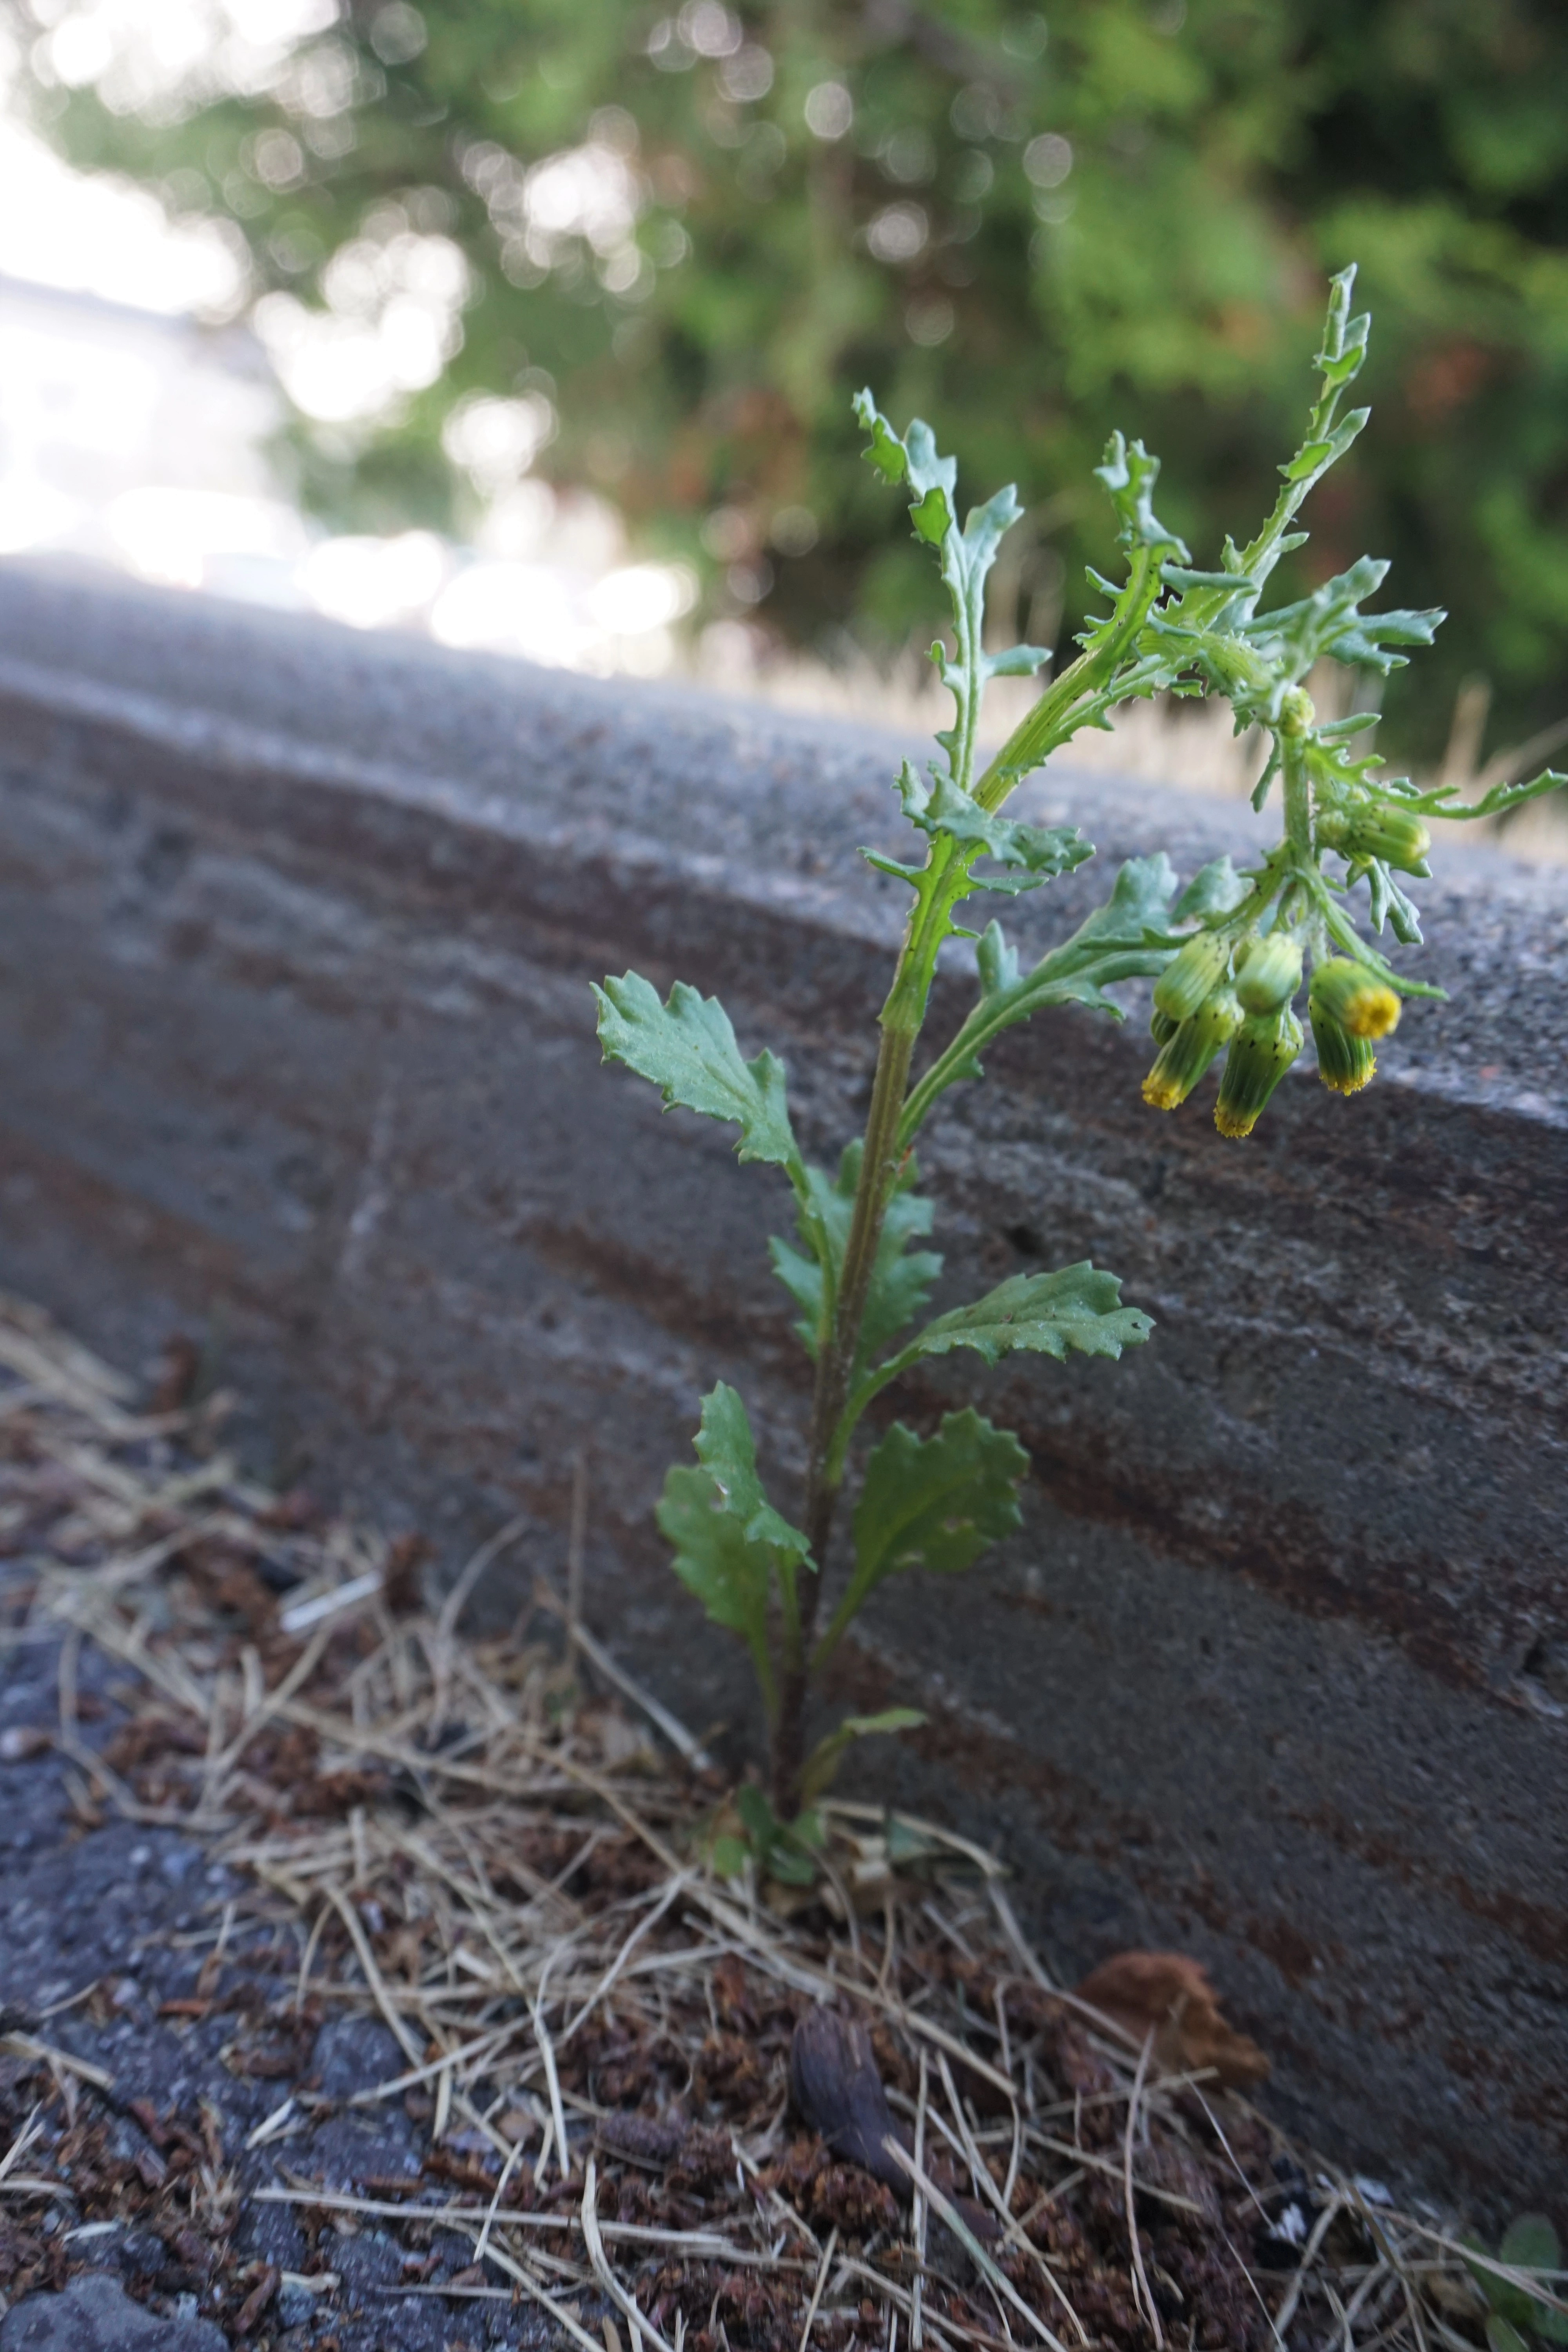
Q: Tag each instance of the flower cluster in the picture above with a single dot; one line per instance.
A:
(1232, 986)
(1235, 994)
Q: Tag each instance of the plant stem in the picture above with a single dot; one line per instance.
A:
(1059, 711)
(834, 1369)
(1298, 795)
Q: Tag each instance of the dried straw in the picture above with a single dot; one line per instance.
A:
(515, 1867)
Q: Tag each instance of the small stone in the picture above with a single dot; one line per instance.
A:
(94, 2314)
(295, 2305)
(355, 2054)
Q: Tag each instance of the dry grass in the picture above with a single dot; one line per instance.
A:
(501, 1865)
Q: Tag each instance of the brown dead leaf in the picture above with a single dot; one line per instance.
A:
(256, 2301)
(1172, 1994)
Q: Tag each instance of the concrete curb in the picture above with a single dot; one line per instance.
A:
(296, 1044)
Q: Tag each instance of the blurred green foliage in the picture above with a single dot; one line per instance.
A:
(1035, 226)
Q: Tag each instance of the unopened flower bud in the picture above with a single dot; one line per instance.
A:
(1261, 1051)
(1380, 830)
(1268, 972)
(1161, 1026)
(1345, 1062)
(1346, 992)
(1188, 1051)
(1192, 973)
(1297, 710)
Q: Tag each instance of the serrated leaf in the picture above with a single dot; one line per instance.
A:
(1077, 1307)
(1330, 625)
(726, 1451)
(1129, 473)
(1440, 799)
(912, 460)
(941, 806)
(933, 1502)
(967, 558)
(998, 962)
(937, 1503)
(886, 451)
(687, 1048)
(713, 1560)
(728, 1541)
(986, 526)
(900, 1277)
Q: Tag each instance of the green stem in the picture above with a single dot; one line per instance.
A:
(1297, 799)
(1055, 717)
(834, 1368)
(837, 1627)
(1058, 715)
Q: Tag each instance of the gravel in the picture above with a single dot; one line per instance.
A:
(100, 1925)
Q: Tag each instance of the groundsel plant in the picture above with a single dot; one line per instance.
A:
(1227, 956)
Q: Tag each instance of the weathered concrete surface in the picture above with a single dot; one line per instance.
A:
(296, 1045)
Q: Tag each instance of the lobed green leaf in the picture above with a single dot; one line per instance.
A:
(937, 1502)
(1129, 473)
(726, 1451)
(1077, 1308)
(943, 807)
(901, 1278)
(728, 1541)
(714, 1558)
(912, 460)
(1441, 801)
(687, 1049)
(933, 1502)
(1129, 937)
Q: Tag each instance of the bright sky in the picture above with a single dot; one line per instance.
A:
(93, 236)
(139, 443)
